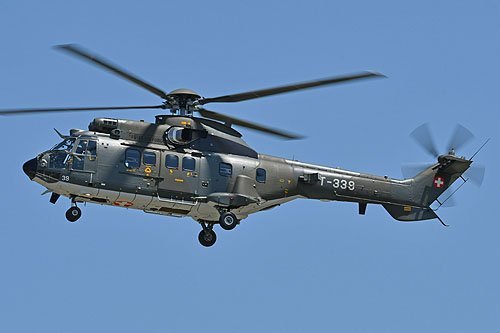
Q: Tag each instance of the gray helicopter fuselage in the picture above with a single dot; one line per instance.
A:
(183, 166)
(202, 168)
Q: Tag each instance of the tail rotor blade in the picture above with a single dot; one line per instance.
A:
(451, 202)
(447, 198)
(410, 170)
(476, 174)
(460, 137)
(422, 136)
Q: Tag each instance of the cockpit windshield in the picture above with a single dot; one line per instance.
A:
(66, 145)
(60, 154)
(82, 158)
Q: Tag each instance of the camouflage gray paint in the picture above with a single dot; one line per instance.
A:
(227, 174)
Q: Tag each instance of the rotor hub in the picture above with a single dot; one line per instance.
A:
(183, 92)
(183, 101)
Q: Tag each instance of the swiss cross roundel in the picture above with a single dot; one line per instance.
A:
(125, 204)
(438, 182)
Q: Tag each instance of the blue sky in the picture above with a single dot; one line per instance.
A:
(306, 265)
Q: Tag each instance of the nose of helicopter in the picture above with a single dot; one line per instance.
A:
(29, 168)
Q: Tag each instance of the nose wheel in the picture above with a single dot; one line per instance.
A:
(73, 214)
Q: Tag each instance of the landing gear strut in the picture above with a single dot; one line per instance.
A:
(207, 236)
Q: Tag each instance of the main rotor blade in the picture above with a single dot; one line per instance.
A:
(79, 52)
(283, 89)
(18, 111)
(235, 121)
(460, 137)
(422, 135)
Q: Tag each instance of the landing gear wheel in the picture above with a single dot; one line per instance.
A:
(228, 221)
(207, 238)
(73, 214)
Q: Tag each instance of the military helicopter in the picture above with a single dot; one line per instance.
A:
(201, 167)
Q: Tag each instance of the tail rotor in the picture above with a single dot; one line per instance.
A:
(460, 137)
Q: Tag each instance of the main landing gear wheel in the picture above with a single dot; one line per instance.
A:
(228, 221)
(207, 237)
(73, 214)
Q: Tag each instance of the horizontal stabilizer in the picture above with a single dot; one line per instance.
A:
(410, 213)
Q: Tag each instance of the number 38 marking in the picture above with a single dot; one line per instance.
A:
(65, 178)
(344, 184)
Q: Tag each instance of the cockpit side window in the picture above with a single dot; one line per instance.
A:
(92, 149)
(81, 148)
(58, 160)
(78, 159)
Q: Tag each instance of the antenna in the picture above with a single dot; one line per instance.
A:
(484, 144)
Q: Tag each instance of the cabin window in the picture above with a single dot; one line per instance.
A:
(172, 161)
(149, 158)
(132, 158)
(225, 169)
(260, 175)
(188, 164)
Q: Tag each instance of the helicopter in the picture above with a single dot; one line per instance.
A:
(200, 167)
